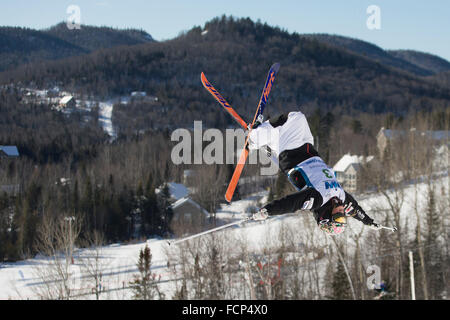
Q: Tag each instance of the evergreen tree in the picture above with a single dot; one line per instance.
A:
(145, 285)
(340, 286)
(356, 126)
(4, 224)
(75, 197)
(87, 204)
(28, 218)
(166, 210)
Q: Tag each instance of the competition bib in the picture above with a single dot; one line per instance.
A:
(321, 177)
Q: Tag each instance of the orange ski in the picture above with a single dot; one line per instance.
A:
(208, 86)
(259, 110)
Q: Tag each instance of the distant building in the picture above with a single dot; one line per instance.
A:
(348, 172)
(67, 102)
(139, 94)
(142, 96)
(9, 151)
(188, 217)
(63, 182)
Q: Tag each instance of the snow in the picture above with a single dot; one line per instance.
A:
(237, 210)
(105, 110)
(139, 94)
(65, 99)
(20, 280)
(176, 190)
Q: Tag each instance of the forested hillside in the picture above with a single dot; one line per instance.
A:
(418, 63)
(426, 61)
(235, 55)
(93, 38)
(68, 166)
(20, 46)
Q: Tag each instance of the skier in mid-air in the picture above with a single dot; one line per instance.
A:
(288, 140)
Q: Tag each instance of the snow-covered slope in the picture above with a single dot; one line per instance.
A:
(22, 279)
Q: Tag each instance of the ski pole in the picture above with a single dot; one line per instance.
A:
(209, 231)
(393, 229)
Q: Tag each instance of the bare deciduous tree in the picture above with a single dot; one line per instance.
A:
(94, 263)
(56, 239)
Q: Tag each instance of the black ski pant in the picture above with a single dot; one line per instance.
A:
(295, 201)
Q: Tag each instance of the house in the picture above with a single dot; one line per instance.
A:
(8, 152)
(142, 96)
(348, 171)
(385, 136)
(63, 182)
(137, 94)
(188, 217)
(67, 102)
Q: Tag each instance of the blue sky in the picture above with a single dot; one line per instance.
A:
(418, 25)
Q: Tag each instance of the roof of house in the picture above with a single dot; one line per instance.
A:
(10, 151)
(185, 200)
(348, 160)
(65, 99)
(139, 93)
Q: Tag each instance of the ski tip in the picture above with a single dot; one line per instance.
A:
(205, 81)
(275, 67)
(228, 198)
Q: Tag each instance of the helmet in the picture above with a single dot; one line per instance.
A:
(338, 220)
(332, 227)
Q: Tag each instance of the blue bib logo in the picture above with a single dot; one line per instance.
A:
(331, 185)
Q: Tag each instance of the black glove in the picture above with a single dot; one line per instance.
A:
(374, 226)
(258, 121)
